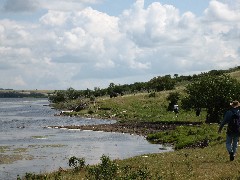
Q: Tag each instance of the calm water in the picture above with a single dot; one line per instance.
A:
(23, 134)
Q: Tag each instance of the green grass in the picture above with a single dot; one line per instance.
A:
(139, 107)
(208, 163)
(193, 162)
(188, 136)
(211, 162)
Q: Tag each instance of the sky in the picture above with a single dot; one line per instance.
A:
(58, 44)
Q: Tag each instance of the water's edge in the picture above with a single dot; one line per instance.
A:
(27, 146)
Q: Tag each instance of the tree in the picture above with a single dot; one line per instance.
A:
(114, 90)
(71, 94)
(162, 83)
(213, 93)
(97, 92)
(57, 96)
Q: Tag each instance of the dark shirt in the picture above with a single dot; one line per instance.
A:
(227, 117)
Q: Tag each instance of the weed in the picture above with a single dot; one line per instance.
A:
(32, 176)
(76, 163)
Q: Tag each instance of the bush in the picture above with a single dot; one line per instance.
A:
(76, 163)
(152, 94)
(106, 170)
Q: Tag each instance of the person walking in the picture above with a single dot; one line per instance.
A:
(231, 118)
(198, 111)
(176, 110)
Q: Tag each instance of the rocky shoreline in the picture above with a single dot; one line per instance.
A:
(137, 128)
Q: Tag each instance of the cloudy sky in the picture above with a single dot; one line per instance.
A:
(57, 44)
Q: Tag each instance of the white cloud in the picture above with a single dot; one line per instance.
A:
(54, 18)
(218, 11)
(71, 47)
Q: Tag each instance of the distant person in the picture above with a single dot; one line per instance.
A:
(198, 111)
(176, 109)
(231, 118)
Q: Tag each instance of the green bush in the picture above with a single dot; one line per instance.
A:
(106, 170)
(152, 94)
(76, 163)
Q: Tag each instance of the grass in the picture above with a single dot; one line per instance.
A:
(4, 148)
(16, 154)
(129, 108)
(235, 74)
(188, 136)
(208, 163)
(188, 161)
(211, 162)
(193, 162)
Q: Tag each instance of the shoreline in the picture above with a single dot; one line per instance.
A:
(136, 128)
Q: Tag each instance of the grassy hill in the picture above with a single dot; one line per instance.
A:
(235, 74)
(192, 162)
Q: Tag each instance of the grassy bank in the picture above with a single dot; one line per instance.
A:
(200, 152)
(132, 107)
(211, 162)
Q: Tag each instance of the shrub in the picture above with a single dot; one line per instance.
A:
(106, 170)
(152, 94)
(76, 163)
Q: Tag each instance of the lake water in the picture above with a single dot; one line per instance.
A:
(36, 149)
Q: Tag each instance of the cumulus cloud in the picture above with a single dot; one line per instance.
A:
(218, 11)
(84, 46)
(54, 18)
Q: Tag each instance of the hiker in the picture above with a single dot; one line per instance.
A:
(176, 110)
(232, 129)
(198, 111)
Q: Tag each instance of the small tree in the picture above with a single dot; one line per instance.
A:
(213, 93)
(57, 96)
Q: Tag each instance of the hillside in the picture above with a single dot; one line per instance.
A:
(235, 74)
(200, 151)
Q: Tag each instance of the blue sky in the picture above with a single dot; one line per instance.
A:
(118, 6)
(57, 44)
(113, 8)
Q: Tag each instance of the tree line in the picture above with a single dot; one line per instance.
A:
(212, 91)
(15, 94)
(156, 84)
